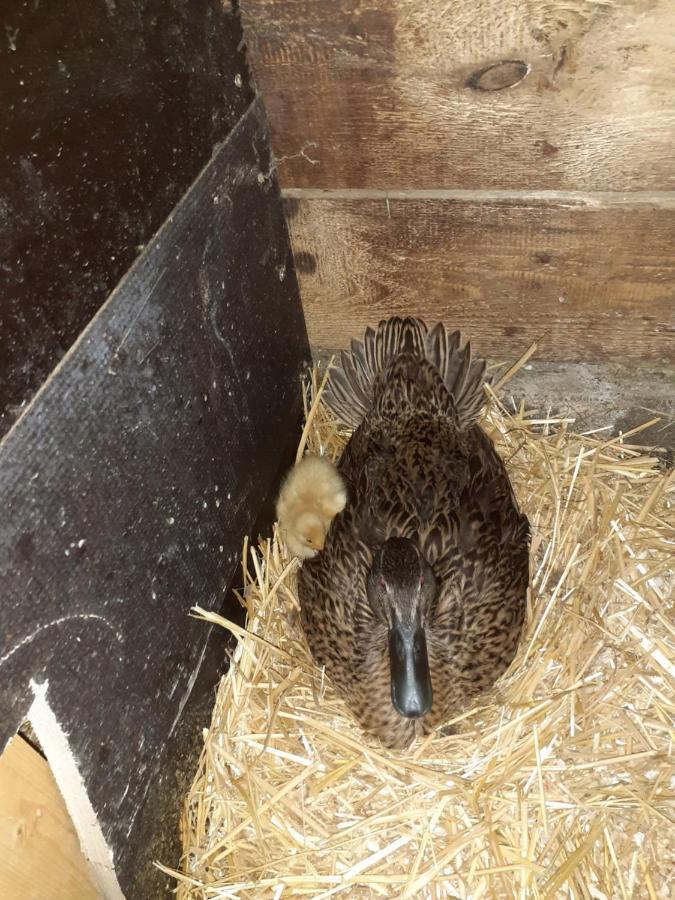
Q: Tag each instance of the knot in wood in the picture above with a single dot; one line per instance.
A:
(500, 75)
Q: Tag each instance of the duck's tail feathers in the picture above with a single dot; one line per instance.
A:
(349, 392)
(463, 376)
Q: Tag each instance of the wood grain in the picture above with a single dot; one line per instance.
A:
(40, 854)
(396, 95)
(596, 281)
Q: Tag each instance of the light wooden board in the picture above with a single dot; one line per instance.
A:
(362, 93)
(595, 280)
(40, 857)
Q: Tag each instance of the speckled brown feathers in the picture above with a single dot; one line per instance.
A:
(418, 466)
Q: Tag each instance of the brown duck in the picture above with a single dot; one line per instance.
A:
(417, 601)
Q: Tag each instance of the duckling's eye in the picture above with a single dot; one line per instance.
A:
(309, 541)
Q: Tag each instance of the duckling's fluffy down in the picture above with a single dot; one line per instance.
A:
(312, 494)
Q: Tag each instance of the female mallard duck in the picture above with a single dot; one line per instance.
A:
(417, 601)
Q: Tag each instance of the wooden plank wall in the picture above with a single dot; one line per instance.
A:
(506, 165)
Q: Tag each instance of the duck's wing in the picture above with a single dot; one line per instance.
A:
(484, 561)
(334, 607)
(483, 572)
(371, 464)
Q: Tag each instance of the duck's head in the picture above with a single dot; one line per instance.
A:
(401, 590)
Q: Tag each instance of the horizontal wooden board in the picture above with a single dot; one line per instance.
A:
(594, 281)
(40, 854)
(559, 94)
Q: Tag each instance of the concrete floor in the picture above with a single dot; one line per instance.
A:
(604, 395)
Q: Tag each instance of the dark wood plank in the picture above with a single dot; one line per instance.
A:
(406, 94)
(596, 281)
(109, 111)
(128, 486)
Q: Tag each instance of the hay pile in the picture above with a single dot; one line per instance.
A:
(558, 784)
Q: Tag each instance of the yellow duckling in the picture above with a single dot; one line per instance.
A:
(311, 495)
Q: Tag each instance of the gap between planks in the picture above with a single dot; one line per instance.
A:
(585, 199)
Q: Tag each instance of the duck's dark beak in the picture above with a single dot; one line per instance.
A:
(411, 691)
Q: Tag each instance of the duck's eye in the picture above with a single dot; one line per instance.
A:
(309, 541)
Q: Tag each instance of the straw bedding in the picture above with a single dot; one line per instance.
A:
(557, 784)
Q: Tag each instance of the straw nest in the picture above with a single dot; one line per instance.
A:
(559, 783)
